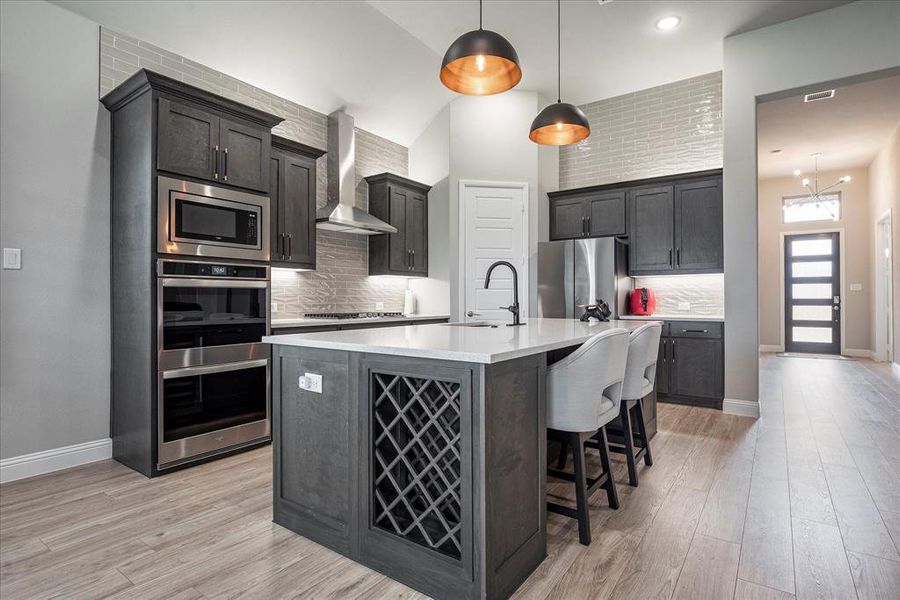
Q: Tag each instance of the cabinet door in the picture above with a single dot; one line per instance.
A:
(245, 151)
(398, 249)
(186, 140)
(567, 218)
(276, 210)
(298, 200)
(696, 367)
(417, 232)
(651, 242)
(698, 225)
(606, 213)
(662, 367)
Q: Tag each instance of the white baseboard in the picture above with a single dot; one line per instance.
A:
(858, 353)
(742, 408)
(47, 461)
(770, 348)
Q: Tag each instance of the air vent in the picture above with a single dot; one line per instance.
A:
(824, 95)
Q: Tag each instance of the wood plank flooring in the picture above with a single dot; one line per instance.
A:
(802, 503)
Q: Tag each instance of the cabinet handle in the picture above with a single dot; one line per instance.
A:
(694, 331)
(225, 169)
(678, 257)
(412, 261)
(290, 239)
(216, 172)
(283, 246)
(673, 351)
(587, 230)
(670, 257)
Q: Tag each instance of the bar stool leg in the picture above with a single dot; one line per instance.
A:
(627, 436)
(642, 427)
(581, 499)
(610, 485)
(563, 455)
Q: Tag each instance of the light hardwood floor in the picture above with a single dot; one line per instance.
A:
(802, 503)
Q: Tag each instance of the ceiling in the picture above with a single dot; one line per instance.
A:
(848, 129)
(380, 59)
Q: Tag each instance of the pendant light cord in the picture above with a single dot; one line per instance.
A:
(480, 15)
(558, 53)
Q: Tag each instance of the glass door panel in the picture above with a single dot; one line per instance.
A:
(812, 311)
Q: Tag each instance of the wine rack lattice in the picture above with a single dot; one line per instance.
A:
(416, 470)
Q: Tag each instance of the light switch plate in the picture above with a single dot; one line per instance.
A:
(684, 306)
(855, 287)
(12, 258)
(379, 306)
(311, 382)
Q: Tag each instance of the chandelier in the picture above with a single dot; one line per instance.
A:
(812, 188)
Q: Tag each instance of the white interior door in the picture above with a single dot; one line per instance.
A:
(495, 228)
(884, 326)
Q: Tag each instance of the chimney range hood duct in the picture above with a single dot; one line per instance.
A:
(341, 212)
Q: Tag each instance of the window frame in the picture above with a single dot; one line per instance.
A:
(827, 195)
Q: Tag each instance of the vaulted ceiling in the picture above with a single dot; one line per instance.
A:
(380, 59)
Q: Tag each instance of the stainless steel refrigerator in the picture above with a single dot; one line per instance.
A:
(574, 273)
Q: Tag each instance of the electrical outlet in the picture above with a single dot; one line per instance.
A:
(379, 306)
(684, 306)
(274, 307)
(12, 258)
(311, 382)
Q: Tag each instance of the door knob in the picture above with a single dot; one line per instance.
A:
(472, 313)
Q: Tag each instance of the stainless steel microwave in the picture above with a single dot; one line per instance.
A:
(194, 219)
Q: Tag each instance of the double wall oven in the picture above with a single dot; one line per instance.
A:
(212, 293)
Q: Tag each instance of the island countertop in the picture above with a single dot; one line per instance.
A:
(456, 342)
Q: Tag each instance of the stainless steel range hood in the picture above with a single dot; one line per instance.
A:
(341, 212)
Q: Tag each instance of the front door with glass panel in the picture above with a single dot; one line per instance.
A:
(812, 293)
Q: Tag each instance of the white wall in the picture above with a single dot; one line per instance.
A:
(843, 42)
(884, 192)
(429, 162)
(855, 252)
(54, 185)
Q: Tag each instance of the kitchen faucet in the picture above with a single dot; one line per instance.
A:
(514, 307)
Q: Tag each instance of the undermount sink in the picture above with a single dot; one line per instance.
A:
(471, 324)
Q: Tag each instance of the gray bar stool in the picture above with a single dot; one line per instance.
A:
(584, 391)
(640, 377)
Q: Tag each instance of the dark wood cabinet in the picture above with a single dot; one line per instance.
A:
(651, 240)
(292, 179)
(404, 204)
(690, 368)
(698, 225)
(201, 142)
(581, 213)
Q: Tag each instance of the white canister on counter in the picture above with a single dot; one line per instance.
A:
(409, 303)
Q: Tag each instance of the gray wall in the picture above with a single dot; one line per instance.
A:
(671, 128)
(861, 37)
(54, 185)
(340, 281)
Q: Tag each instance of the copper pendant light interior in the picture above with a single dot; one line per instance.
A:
(480, 63)
(562, 123)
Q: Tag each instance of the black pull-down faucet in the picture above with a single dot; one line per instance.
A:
(514, 307)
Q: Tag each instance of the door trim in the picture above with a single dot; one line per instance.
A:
(843, 259)
(524, 280)
(883, 311)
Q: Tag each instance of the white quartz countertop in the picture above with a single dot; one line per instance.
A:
(456, 343)
(656, 317)
(303, 322)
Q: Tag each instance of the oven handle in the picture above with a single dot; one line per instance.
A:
(189, 282)
(193, 371)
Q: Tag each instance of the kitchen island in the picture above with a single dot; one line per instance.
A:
(420, 451)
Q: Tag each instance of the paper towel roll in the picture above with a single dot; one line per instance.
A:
(409, 303)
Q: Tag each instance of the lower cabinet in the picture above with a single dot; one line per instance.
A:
(690, 368)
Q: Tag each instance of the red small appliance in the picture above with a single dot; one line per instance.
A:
(642, 301)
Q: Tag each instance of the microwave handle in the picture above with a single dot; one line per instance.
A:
(213, 283)
(193, 371)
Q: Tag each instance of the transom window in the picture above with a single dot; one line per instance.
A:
(800, 209)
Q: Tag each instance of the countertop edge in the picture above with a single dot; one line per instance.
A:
(672, 318)
(296, 323)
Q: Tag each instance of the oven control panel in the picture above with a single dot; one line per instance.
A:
(198, 269)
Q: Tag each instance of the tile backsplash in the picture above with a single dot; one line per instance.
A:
(705, 294)
(340, 282)
(672, 128)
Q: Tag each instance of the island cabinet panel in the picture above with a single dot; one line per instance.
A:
(315, 440)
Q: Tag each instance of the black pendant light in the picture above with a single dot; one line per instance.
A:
(480, 63)
(561, 123)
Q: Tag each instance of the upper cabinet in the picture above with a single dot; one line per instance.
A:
(292, 184)
(201, 143)
(585, 213)
(673, 223)
(402, 203)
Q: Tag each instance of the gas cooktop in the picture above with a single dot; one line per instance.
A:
(352, 315)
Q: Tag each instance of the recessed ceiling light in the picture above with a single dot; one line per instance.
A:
(667, 23)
